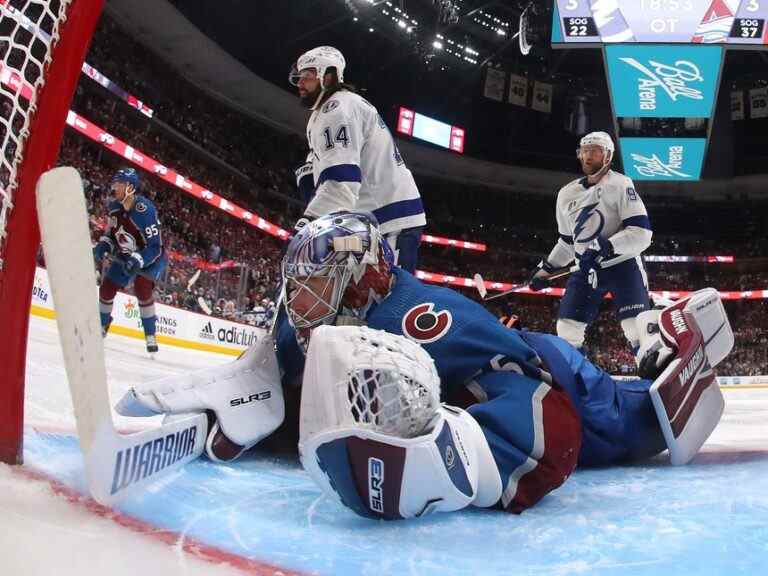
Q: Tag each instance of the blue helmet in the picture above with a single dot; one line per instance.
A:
(346, 249)
(127, 175)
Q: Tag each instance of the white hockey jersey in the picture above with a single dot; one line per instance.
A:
(356, 165)
(611, 209)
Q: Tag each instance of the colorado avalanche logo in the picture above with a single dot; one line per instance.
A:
(422, 324)
(125, 241)
(141, 207)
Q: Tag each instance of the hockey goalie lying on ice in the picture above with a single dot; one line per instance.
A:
(521, 409)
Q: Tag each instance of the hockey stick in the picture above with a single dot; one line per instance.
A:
(559, 273)
(204, 305)
(115, 464)
(200, 300)
(193, 279)
(480, 284)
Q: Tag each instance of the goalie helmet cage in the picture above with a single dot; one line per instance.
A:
(42, 48)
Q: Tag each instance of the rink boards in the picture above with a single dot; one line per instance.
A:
(175, 327)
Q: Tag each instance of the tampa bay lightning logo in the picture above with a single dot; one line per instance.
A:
(589, 224)
(330, 106)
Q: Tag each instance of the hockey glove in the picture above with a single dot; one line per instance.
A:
(305, 181)
(599, 249)
(540, 278)
(100, 250)
(134, 263)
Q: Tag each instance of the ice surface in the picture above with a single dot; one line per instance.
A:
(710, 517)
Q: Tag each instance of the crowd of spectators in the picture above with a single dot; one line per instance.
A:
(252, 164)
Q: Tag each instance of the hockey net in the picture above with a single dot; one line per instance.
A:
(42, 47)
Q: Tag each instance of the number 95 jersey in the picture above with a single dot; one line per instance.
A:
(356, 165)
(136, 230)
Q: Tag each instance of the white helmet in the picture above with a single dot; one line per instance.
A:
(320, 58)
(602, 139)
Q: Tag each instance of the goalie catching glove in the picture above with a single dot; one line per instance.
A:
(374, 435)
(679, 347)
(245, 396)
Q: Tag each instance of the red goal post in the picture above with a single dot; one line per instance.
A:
(42, 48)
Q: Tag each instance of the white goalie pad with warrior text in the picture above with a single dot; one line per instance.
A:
(246, 396)
(688, 339)
(374, 435)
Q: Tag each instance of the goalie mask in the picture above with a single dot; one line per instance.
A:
(337, 262)
(374, 435)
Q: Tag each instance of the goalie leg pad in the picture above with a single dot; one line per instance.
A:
(246, 396)
(686, 397)
(706, 308)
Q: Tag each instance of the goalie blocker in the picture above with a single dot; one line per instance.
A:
(684, 342)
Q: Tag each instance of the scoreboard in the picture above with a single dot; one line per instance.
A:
(595, 22)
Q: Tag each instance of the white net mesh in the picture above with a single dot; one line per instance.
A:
(28, 31)
(393, 387)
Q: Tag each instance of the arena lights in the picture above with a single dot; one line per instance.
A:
(460, 51)
(403, 21)
(400, 17)
(491, 23)
(707, 259)
(461, 282)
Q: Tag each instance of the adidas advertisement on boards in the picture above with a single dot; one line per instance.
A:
(237, 334)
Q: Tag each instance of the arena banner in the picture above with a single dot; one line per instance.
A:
(541, 98)
(518, 90)
(494, 84)
(758, 103)
(175, 327)
(737, 105)
(663, 158)
(494, 286)
(663, 81)
(745, 381)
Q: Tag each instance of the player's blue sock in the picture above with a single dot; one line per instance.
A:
(149, 323)
(106, 320)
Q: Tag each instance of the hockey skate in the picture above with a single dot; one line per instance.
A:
(105, 329)
(151, 341)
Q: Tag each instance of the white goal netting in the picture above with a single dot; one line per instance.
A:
(28, 31)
